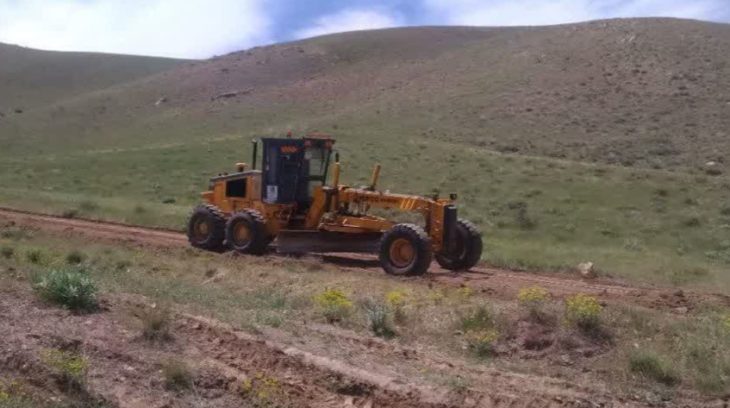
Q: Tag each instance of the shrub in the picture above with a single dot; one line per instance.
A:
(155, 324)
(70, 367)
(583, 311)
(7, 252)
(533, 299)
(726, 321)
(482, 341)
(651, 365)
(379, 319)
(177, 375)
(75, 257)
(334, 305)
(70, 288)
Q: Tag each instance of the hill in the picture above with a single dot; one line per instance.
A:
(566, 143)
(650, 92)
(31, 78)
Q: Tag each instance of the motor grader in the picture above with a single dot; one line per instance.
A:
(288, 202)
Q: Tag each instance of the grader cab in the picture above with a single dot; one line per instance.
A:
(289, 203)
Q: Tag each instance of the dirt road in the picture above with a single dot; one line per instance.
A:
(495, 282)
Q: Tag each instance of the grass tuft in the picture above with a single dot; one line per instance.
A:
(177, 375)
(35, 256)
(7, 252)
(71, 368)
(653, 366)
(75, 257)
(378, 316)
(155, 323)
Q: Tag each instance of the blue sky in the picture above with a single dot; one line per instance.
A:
(203, 28)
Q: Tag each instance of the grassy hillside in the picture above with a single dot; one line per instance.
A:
(32, 78)
(567, 143)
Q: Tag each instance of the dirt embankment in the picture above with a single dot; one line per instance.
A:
(233, 368)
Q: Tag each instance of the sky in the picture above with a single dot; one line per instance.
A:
(204, 28)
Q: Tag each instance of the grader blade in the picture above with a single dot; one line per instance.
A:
(298, 242)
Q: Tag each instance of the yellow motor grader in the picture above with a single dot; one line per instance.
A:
(289, 203)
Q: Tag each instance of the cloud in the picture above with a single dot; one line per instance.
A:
(540, 12)
(189, 29)
(349, 20)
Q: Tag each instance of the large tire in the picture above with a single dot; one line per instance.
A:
(246, 232)
(206, 228)
(465, 251)
(405, 250)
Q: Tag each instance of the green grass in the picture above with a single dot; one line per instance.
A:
(611, 216)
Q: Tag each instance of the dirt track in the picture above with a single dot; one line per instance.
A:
(495, 282)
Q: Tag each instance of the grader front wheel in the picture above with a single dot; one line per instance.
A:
(464, 251)
(405, 250)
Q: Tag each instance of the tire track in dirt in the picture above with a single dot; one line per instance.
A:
(496, 282)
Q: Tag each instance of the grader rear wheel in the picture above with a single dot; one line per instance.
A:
(464, 251)
(206, 228)
(405, 250)
(246, 232)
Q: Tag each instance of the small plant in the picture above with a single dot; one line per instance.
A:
(522, 217)
(334, 305)
(7, 252)
(726, 321)
(178, 376)
(533, 299)
(261, 389)
(435, 296)
(465, 292)
(396, 301)
(75, 257)
(584, 312)
(651, 365)
(480, 332)
(34, 256)
(70, 213)
(476, 319)
(379, 319)
(70, 367)
(88, 205)
(155, 323)
(70, 288)
(482, 341)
